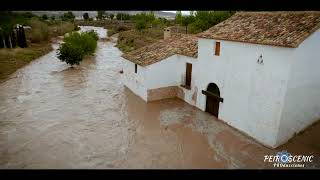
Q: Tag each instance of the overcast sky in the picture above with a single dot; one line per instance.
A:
(183, 12)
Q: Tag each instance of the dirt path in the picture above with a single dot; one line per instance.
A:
(52, 116)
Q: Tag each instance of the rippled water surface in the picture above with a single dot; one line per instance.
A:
(54, 116)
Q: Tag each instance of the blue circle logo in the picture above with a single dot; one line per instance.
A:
(284, 156)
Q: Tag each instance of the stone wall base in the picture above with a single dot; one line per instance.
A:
(163, 93)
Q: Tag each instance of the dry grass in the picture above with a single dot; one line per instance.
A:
(60, 29)
(13, 59)
(133, 39)
(38, 42)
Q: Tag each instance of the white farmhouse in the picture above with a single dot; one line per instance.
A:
(256, 71)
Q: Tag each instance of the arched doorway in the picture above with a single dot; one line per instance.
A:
(213, 99)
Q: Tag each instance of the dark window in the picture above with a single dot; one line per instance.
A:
(188, 75)
(135, 68)
(217, 51)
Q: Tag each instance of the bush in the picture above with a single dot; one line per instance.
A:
(44, 17)
(140, 25)
(39, 31)
(85, 16)
(122, 28)
(77, 45)
(94, 35)
(69, 16)
(70, 53)
(60, 28)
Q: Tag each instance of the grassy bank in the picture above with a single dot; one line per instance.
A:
(13, 59)
(133, 39)
(38, 38)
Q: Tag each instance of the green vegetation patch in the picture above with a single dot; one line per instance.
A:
(76, 46)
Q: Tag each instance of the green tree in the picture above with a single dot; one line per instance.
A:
(68, 16)
(186, 20)
(100, 14)
(53, 18)
(140, 25)
(111, 16)
(70, 53)
(178, 18)
(76, 46)
(119, 16)
(147, 18)
(44, 17)
(206, 19)
(85, 16)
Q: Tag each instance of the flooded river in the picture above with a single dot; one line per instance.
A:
(53, 116)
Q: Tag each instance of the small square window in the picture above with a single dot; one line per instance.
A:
(217, 51)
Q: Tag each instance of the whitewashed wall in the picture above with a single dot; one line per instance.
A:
(171, 72)
(163, 73)
(253, 93)
(302, 101)
(135, 81)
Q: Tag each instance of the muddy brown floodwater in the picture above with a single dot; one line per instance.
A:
(52, 116)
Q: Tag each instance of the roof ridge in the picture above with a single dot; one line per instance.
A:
(278, 28)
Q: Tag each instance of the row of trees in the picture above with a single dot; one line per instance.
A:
(201, 20)
(148, 20)
(101, 15)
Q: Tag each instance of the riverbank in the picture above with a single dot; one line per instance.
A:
(39, 39)
(13, 59)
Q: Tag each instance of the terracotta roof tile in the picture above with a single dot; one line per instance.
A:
(178, 44)
(287, 29)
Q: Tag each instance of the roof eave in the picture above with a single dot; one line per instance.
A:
(251, 42)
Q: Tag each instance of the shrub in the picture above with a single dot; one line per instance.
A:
(122, 28)
(85, 16)
(44, 17)
(140, 25)
(94, 35)
(69, 16)
(70, 53)
(39, 31)
(77, 45)
(100, 15)
(61, 28)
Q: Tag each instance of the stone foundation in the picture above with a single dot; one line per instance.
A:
(163, 93)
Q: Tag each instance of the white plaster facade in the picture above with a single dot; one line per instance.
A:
(269, 102)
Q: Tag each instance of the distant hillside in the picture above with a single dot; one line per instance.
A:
(162, 14)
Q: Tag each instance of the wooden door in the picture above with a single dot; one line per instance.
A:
(213, 99)
(188, 75)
